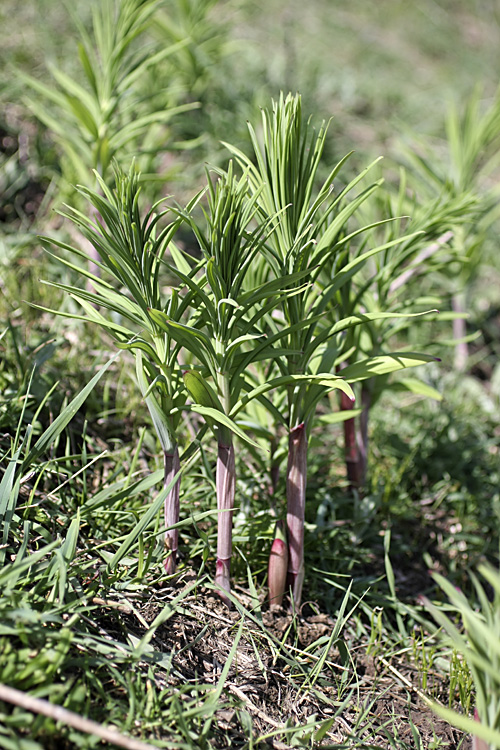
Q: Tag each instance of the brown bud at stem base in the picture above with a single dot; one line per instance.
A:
(223, 579)
(278, 566)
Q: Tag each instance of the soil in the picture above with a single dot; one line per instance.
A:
(263, 682)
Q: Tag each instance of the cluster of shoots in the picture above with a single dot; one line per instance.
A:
(264, 310)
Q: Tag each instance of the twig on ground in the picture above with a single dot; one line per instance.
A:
(252, 707)
(406, 682)
(80, 723)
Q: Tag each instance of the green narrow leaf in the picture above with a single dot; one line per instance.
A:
(160, 419)
(471, 726)
(195, 341)
(326, 379)
(146, 519)
(144, 346)
(68, 548)
(384, 364)
(418, 387)
(10, 573)
(65, 417)
(221, 418)
(87, 66)
(338, 416)
(359, 319)
(9, 491)
(151, 512)
(179, 259)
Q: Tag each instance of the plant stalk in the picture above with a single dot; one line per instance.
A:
(274, 467)
(296, 481)
(352, 442)
(352, 455)
(225, 486)
(362, 434)
(477, 742)
(419, 262)
(172, 467)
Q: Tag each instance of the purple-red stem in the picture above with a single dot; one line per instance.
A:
(172, 467)
(274, 468)
(225, 487)
(362, 437)
(296, 480)
(477, 743)
(353, 443)
(352, 457)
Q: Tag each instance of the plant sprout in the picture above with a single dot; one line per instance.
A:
(224, 334)
(310, 233)
(107, 114)
(216, 336)
(464, 168)
(257, 296)
(131, 250)
(392, 283)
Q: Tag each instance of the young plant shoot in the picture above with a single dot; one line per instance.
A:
(131, 252)
(310, 234)
(226, 334)
(392, 289)
(219, 333)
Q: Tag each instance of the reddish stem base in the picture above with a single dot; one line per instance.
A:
(296, 500)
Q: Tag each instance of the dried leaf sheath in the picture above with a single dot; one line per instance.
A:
(278, 567)
(296, 499)
(172, 467)
(225, 485)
